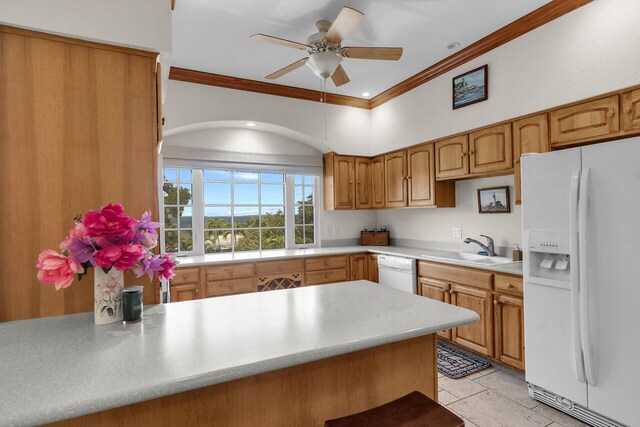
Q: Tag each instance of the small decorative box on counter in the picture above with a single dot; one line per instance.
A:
(374, 238)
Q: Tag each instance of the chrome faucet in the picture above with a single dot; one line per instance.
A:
(489, 248)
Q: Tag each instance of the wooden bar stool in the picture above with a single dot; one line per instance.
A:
(413, 410)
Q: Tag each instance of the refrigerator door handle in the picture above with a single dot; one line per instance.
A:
(575, 275)
(585, 328)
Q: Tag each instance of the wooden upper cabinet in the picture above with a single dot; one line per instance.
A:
(586, 122)
(363, 183)
(631, 111)
(451, 157)
(421, 176)
(530, 135)
(377, 183)
(490, 150)
(395, 165)
(343, 182)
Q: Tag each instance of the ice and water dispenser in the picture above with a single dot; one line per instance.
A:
(548, 254)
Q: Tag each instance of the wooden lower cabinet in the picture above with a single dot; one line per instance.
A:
(509, 330)
(497, 298)
(373, 268)
(185, 292)
(359, 267)
(476, 336)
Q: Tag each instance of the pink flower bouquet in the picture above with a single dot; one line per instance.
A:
(106, 239)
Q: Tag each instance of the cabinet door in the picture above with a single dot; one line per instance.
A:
(476, 336)
(452, 160)
(439, 291)
(363, 182)
(184, 293)
(421, 176)
(343, 184)
(586, 122)
(631, 111)
(358, 266)
(490, 150)
(373, 268)
(530, 135)
(377, 183)
(395, 165)
(509, 328)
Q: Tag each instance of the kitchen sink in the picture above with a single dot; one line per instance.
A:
(471, 258)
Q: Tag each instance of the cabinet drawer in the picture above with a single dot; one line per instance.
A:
(326, 276)
(275, 267)
(453, 274)
(325, 263)
(229, 271)
(230, 287)
(508, 284)
(186, 275)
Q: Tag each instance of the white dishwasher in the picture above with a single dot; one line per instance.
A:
(397, 273)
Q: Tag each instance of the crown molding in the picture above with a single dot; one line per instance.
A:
(211, 79)
(547, 13)
(531, 21)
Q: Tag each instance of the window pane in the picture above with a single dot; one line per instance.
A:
(308, 195)
(185, 218)
(186, 240)
(272, 217)
(245, 176)
(299, 196)
(171, 194)
(170, 175)
(272, 194)
(298, 179)
(171, 241)
(308, 234)
(273, 238)
(299, 232)
(170, 217)
(308, 214)
(247, 240)
(210, 175)
(272, 177)
(245, 194)
(185, 175)
(217, 241)
(217, 193)
(246, 217)
(219, 217)
(185, 196)
(299, 217)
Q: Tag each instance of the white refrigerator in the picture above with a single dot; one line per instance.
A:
(581, 225)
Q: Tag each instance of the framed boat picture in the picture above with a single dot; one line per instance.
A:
(471, 87)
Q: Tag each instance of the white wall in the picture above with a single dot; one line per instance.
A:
(142, 24)
(347, 128)
(590, 51)
(436, 224)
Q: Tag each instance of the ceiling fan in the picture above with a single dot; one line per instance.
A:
(326, 51)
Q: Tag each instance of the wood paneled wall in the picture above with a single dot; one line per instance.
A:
(77, 131)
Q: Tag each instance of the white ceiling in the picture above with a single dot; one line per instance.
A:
(213, 36)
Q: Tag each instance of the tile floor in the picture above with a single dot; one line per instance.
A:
(498, 397)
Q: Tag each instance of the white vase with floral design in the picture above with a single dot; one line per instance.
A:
(107, 296)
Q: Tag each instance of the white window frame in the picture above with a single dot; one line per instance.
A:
(178, 182)
(198, 208)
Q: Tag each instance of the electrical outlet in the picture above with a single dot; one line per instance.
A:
(456, 232)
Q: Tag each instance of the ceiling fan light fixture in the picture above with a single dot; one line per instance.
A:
(324, 64)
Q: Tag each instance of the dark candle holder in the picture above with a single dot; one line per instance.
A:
(132, 304)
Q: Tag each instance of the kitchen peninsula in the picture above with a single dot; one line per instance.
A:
(306, 354)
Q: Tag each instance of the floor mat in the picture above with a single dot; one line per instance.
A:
(455, 364)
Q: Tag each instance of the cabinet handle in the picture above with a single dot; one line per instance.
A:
(495, 302)
(627, 109)
(350, 182)
(509, 286)
(357, 182)
(197, 291)
(472, 152)
(185, 275)
(463, 154)
(408, 177)
(610, 113)
(451, 291)
(516, 161)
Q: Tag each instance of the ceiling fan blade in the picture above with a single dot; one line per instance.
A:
(345, 22)
(278, 40)
(289, 68)
(384, 53)
(339, 77)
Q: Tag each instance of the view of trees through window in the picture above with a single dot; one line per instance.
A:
(236, 210)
